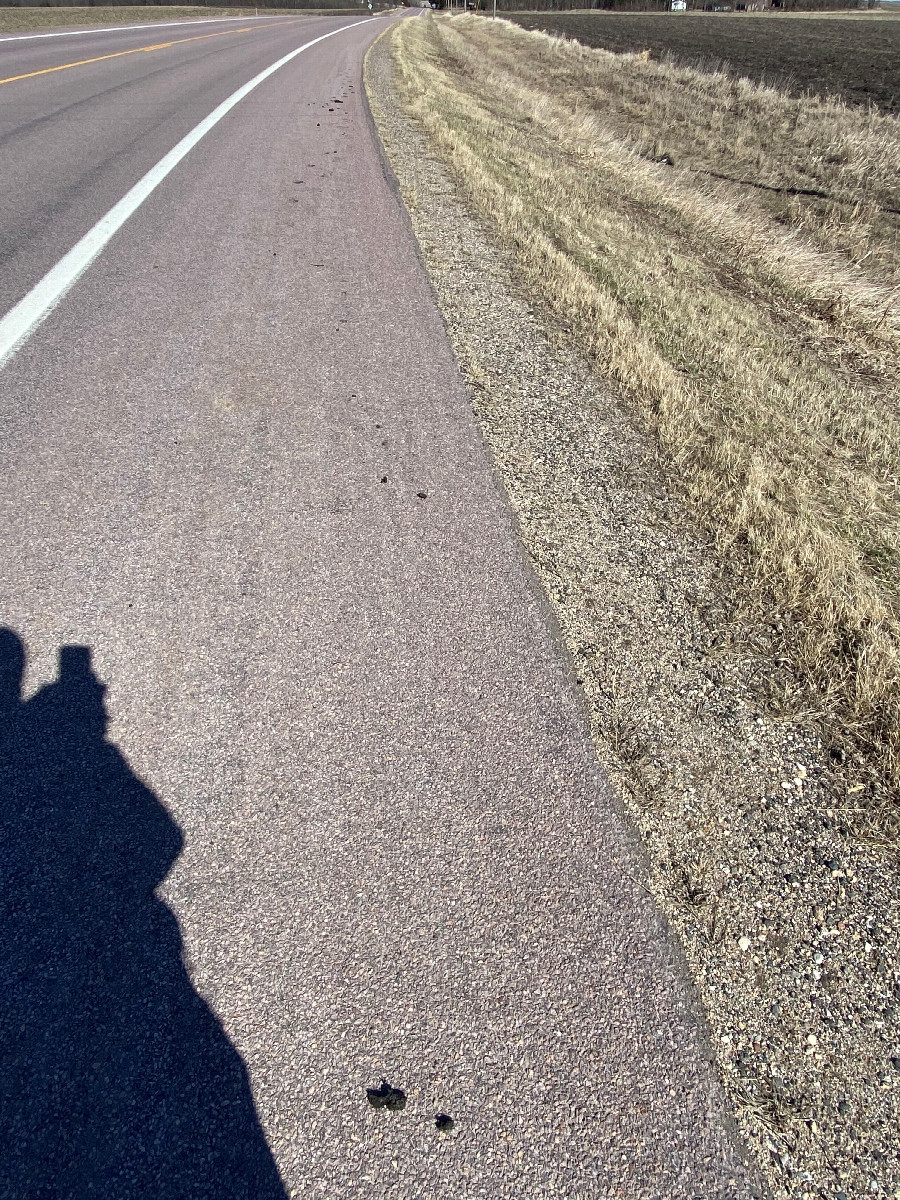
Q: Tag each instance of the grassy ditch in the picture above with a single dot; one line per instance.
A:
(730, 257)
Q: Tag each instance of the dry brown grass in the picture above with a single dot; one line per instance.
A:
(755, 331)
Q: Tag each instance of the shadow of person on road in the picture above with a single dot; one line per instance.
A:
(116, 1080)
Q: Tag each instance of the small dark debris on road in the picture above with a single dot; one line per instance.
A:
(386, 1096)
(443, 1122)
(422, 495)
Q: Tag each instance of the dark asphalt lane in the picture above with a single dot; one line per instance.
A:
(74, 141)
(243, 484)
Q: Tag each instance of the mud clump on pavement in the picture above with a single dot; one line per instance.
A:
(385, 1096)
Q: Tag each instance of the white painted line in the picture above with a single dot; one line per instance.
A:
(30, 37)
(22, 320)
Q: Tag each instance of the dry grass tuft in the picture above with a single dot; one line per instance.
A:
(730, 256)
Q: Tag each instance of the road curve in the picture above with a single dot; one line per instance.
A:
(336, 817)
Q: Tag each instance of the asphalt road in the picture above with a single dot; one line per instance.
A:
(243, 488)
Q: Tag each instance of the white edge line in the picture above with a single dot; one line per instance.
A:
(22, 320)
(30, 37)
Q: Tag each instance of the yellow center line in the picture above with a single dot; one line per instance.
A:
(137, 50)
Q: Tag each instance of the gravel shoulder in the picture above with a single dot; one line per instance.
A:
(788, 916)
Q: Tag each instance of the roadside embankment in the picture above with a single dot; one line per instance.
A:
(730, 259)
(689, 387)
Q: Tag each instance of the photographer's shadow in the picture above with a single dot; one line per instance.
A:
(116, 1079)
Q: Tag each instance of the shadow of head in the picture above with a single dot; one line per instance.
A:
(74, 703)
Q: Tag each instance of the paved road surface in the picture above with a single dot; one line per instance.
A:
(242, 487)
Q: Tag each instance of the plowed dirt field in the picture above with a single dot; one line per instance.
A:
(857, 58)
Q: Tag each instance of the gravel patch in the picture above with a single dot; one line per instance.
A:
(787, 913)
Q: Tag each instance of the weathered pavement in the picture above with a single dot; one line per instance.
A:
(240, 466)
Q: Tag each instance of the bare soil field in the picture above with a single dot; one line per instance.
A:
(857, 59)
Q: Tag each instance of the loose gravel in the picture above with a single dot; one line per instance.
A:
(787, 912)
